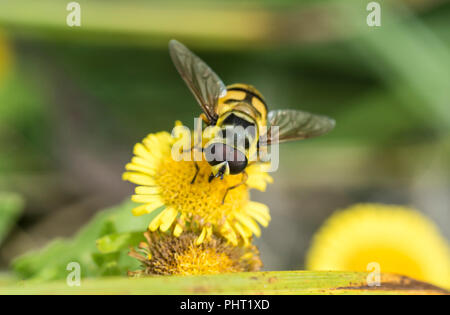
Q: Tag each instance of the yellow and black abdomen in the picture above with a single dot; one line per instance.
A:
(246, 99)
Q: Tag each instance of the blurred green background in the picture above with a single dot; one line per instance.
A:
(73, 101)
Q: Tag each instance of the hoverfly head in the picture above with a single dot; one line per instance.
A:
(225, 159)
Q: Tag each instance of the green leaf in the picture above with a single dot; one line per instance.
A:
(275, 282)
(11, 206)
(50, 262)
(115, 242)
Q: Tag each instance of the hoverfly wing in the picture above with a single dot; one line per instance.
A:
(295, 125)
(203, 82)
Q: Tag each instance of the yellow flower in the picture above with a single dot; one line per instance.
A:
(166, 183)
(399, 239)
(164, 254)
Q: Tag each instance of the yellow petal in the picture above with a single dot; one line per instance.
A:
(259, 181)
(141, 151)
(139, 178)
(249, 223)
(259, 215)
(153, 146)
(268, 178)
(209, 232)
(167, 219)
(256, 182)
(144, 209)
(143, 162)
(242, 232)
(228, 232)
(258, 168)
(259, 218)
(140, 168)
(245, 231)
(141, 210)
(248, 256)
(180, 225)
(146, 190)
(260, 208)
(177, 230)
(156, 222)
(201, 238)
(150, 199)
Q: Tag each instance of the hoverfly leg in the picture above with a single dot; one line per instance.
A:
(244, 180)
(212, 176)
(197, 170)
(205, 119)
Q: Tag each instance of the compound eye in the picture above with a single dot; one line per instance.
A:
(217, 153)
(237, 167)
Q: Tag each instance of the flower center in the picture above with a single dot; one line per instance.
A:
(198, 260)
(201, 198)
(165, 254)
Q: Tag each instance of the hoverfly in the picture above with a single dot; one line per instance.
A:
(240, 105)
